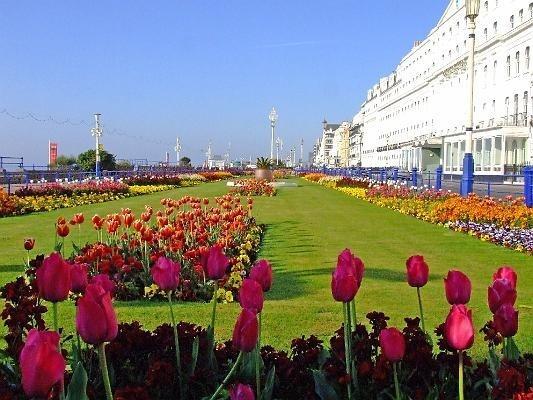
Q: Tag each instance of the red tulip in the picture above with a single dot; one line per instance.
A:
(508, 273)
(79, 218)
(417, 271)
(166, 273)
(501, 292)
(251, 296)
(96, 321)
(458, 287)
(506, 320)
(215, 263)
(459, 329)
(245, 331)
(262, 273)
(347, 276)
(53, 278)
(62, 230)
(78, 277)
(41, 363)
(241, 392)
(29, 243)
(392, 344)
(105, 282)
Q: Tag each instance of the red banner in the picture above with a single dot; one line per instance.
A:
(52, 153)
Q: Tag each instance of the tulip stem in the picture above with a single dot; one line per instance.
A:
(421, 310)
(228, 377)
(176, 341)
(105, 374)
(396, 384)
(354, 315)
(257, 363)
(461, 391)
(214, 313)
(347, 349)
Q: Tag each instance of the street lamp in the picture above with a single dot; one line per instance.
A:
(467, 182)
(97, 133)
(273, 117)
(177, 149)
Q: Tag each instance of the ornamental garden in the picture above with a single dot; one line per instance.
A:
(182, 287)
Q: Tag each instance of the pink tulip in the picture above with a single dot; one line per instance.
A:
(215, 263)
(166, 273)
(105, 282)
(96, 321)
(53, 278)
(501, 292)
(251, 296)
(79, 277)
(41, 363)
(417, 271)
(392, 343)
(508, 273)
(241, 392)
(459, 329)
(245, 331)
(262, 273)
(347, 276)
(506, 320)
(458, 287)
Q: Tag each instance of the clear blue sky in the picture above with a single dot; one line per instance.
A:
(200, 69)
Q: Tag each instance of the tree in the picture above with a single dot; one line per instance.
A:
(185, 162)
(87, 160)
(65, 161)
(124, 165)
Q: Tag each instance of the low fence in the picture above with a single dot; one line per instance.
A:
(438, 180)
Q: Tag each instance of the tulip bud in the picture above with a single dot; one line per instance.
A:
(29, 243)
(251, 296)
(41, 363)
(458, 287)
(417, 271)
(262, 273)
(241, 392)
(62, 230)
(245, 331)
(166, 273)
(215, 263)
(78, 277)
(506, 273)
(501, 292)
(96, 321)
(459, 329)
(53, 278)
(506, 320)
(347, 276)
(105, 282)
(392, 344)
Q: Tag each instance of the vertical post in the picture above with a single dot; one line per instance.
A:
(438, 178)
(488, 189)
(395, 174)
(467, 182)
(414, 177)
(383, 175)
(97, 132)
(528, 186)
(26, 178)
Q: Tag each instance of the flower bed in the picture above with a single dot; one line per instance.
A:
(182, 360)
(507, 222)
(58, 189)
(167, 179)
(216, 175)
(253, 187)
(187, 229)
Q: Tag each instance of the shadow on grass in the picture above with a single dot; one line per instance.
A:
(12, 268)
(385, 274)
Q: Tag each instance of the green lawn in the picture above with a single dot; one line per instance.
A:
(306, 229)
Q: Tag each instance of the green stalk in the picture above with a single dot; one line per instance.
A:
(461, 389)
(214, 312)
(176, 342)
(257, 363)
(396, 384)
(228, 377)
(347, 350)
(421, 310)
(354, 315)
(105, 373)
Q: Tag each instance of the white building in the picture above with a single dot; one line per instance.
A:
(324, 145)
(415, 117)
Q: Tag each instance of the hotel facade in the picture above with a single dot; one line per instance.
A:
(415, 117)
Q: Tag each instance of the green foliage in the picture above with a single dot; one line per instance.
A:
(264, 163)
(185, 162)
(64, 161)
(87, 160)
(124, 165)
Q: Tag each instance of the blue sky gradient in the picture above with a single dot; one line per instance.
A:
(198, 69)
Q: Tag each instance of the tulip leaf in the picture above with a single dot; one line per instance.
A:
(510, 350)
(494, 362)
(77, 389)
(194, 354)
(247, 366)
(266, 394)
(322, 388)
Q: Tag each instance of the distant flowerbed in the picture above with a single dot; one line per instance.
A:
(506, 222)
(253, 187)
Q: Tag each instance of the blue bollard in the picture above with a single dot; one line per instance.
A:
(528, 186)
(395, 174)
(382, 175)
(414, 177)
(438, 178)
(26, 178)
(488, 188)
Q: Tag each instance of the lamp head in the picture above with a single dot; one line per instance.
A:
(472, 8)
(273, 116)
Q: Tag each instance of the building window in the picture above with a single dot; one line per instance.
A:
(486, 34)
(526, 101)
(521, 15)
(495, 27)
(527, 58)
(511, 21)
(494, 72)
(487, 6)
(517, 59)
(530, 10)
(508, 67)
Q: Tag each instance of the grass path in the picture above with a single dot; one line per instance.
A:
(306, 228)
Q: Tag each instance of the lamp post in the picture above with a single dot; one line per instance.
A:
(467, 182)
(273, 117)
(177, 149)
(97, 133)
